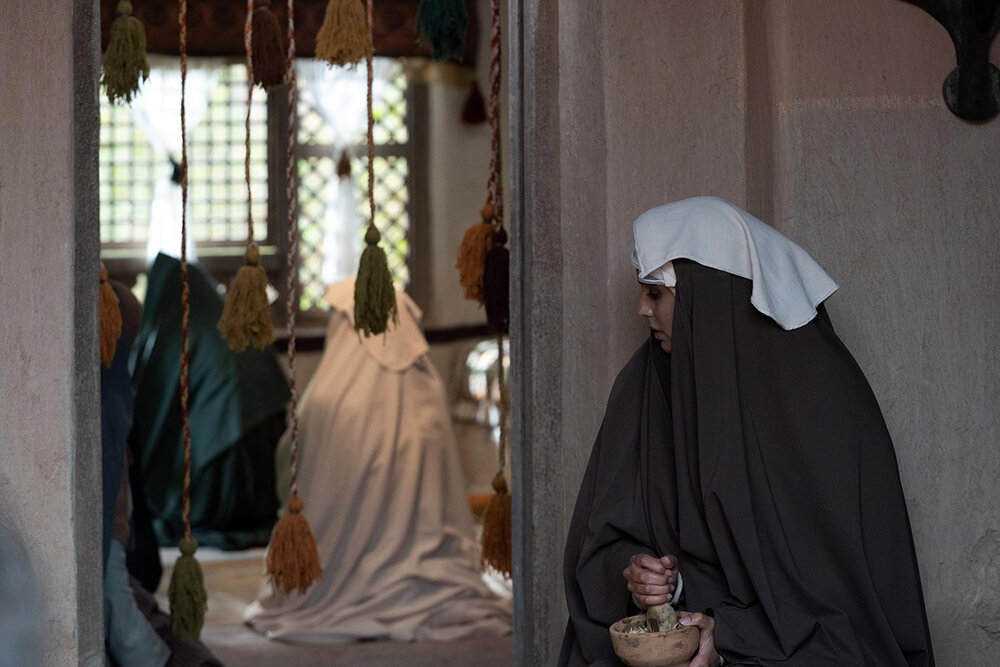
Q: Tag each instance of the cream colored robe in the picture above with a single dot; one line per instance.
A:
(384, 493)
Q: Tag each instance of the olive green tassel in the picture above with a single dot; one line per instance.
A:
(374, 295)
(124, 63)
(188, 599)
(343, 38)
(443, 24)
(246, 317)
(496, 541)
(292, 558)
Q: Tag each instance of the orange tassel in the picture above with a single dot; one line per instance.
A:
(292, 558)
(110, 319)
(472, 255)
(496, 542)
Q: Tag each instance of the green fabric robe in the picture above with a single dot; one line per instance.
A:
(237, 413)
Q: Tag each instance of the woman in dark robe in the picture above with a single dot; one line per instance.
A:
(743, 469)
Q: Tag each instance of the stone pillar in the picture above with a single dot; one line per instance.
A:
(50, 443)
(602, 129)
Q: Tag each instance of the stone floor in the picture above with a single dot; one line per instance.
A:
(232, 579)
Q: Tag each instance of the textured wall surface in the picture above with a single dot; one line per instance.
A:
(458, 167)
(826, 120)
(49, 418)
(897, 198)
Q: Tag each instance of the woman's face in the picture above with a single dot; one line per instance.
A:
(656, 304)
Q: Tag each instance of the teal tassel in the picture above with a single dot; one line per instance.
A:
(374, 295)
(187, 595)
(443, 24)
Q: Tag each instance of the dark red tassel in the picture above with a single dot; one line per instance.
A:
(496, 285)
(268, 50)
(474, 111)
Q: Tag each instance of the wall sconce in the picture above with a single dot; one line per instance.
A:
(972, 90)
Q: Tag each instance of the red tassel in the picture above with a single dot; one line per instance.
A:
(474, 111)
(268, 50)
(496, 284)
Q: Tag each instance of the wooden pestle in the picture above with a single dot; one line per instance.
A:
(661, 618)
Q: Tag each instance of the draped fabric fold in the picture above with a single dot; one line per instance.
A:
(237, 411)
(379, 470)
(776, 486)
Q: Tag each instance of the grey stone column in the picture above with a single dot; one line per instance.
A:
(50, 456)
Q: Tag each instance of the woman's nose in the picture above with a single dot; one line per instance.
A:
(644, 308)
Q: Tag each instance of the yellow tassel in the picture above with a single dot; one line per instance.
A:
(343, 37)
(110, 319)
(292, 558)
(497, 544)
(471, 263)
(246, 318)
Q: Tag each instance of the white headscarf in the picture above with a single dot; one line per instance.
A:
(787, 283)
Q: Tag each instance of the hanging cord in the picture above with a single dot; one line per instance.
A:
(292, 281)
(504, 407)
(186, 592)
(374, 294)
(248, 44)
(185, 285)
(371, 121)
(246, 315)
(496, 265)
(292, 557)
(496, 538)
(495, 185)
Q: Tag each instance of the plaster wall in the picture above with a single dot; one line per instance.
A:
(896, 197)
(621, 110)
(826, 121)
(49, 419)
(458, 168)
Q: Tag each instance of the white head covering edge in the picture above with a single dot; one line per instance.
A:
(787, 283)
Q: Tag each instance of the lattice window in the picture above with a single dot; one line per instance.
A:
(319, 148)
(133, 164)
(133, 158)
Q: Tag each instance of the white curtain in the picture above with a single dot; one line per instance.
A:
(157, 110)
(340, 96)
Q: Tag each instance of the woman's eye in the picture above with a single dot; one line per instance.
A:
(653, 294)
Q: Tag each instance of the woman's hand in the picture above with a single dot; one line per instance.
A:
(651, 580)
(706, 656)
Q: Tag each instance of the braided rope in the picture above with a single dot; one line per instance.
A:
(504, 405)
(292, 246)
(248, 45)
(371, 117)
(185, 285)
(494, 186)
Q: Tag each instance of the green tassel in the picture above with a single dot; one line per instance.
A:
(374, 295)
(124, 63)
(188, 599)
(443, 24)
